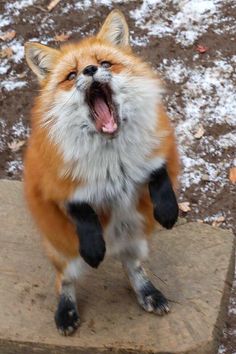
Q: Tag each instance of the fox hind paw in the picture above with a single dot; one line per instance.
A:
(152, 300)
(66, 317)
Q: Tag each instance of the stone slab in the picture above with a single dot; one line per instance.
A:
(192, 265)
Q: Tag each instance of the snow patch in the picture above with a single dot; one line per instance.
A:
(19, 130)
(222, 349)
(208, 97)
(14, 167)
(4, 67)
(139, 41)
(11, 85)
(108, 2)
(83, 5)
(186, 20)
(5, 21)
(18, 51)
(15, 7)
(2, 133)
(227, 140)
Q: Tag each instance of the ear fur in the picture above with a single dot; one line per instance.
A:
(115, 29)
(40, 58)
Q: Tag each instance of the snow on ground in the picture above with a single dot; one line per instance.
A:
(2, 134)
(14, 167)
(208, 97)
(18, 132)
(185, 20)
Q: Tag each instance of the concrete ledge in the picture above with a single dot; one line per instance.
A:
(192, 265)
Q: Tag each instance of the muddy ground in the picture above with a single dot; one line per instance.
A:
(208, 198)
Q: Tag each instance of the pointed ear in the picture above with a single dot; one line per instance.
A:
(40, 58)
(115, 29)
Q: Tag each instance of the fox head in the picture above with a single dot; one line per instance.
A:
(95, 89)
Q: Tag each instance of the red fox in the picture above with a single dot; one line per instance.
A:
(101, 164)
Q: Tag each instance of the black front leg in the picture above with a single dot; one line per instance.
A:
(165, 205)
(89, 229)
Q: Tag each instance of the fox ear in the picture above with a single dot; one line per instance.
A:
(40, 58)
(115, 29)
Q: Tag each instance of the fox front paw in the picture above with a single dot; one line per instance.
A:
(164, 201)
(166, 211)
(92, 245)
(93, 249)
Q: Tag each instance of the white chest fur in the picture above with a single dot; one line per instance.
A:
(113, 169)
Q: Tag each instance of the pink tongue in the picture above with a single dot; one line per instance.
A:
(105, 120)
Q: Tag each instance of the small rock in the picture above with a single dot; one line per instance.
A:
(205, 177)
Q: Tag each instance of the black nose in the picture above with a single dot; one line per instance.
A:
(90, 70)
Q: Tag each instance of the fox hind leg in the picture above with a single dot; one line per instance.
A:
(129, 240)
(61, 244)
(66, 316)
(150, 298)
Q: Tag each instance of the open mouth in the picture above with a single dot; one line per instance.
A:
(102, 109)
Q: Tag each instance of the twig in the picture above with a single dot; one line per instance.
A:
(39, 8)
(52, 4)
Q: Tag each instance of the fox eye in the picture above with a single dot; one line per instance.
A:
(106, 64)
(71, 76)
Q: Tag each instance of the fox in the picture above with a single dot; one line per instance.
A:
(101, 166)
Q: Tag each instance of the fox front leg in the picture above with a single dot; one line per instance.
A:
(92, 245)
(164, 201)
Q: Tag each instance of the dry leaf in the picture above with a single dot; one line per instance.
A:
(220, 218)
(62, 37)
(22, 75)
(200, 221)
(8, 36)
(218, 221)
(215, 224)
(232, 174)
(206, 177)
(52, 4)
(200, 132)
(6, 53)
(15, 145)
(202, 48)
(185, 206)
